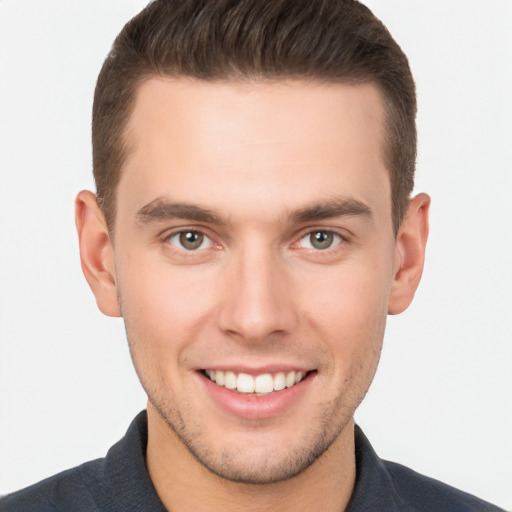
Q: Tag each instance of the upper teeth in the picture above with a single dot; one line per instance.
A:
(265, 383)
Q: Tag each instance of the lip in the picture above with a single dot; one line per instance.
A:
(251, 406)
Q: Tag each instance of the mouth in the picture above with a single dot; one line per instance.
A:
(257, 385)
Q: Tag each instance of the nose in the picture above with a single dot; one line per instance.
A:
(258, 302)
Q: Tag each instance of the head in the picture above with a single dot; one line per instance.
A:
(328, 41)
(254, 162)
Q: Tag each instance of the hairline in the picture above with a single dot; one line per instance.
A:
(126, 146)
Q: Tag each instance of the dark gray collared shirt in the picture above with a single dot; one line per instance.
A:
(120, 483)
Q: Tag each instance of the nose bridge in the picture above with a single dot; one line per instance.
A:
(257, 301)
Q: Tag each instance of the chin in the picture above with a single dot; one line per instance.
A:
(254, 456)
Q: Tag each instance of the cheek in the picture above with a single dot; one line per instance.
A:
(163, 310)
(349, 311)
(161, 294)
(353, 295)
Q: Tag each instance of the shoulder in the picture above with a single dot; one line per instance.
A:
(74, 489)
(419, 492)
(119, 482)
(383, 485)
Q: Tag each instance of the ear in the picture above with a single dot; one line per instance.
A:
(410, 246)
(96, 252)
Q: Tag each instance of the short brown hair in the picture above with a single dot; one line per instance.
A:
(325, 40)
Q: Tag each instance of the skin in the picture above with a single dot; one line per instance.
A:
(255, 169)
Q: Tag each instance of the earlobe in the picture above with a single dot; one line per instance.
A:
(409, 254)
(96, 252)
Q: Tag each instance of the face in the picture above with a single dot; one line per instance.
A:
(254, 261)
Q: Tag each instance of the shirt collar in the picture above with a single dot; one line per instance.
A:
(374, 488)
(131, 488)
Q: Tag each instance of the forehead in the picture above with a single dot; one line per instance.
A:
(290, 141)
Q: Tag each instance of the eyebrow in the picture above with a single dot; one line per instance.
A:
(343, 207)
(160, 209)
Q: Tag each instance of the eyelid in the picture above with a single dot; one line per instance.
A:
(343, 234)
(166, 235)
(337, 239)
(206, 242)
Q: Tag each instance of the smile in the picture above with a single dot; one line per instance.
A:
(263, 384)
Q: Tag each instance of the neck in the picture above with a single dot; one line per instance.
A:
(184, 484)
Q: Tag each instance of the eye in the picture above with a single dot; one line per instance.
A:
(320, 240)
(190, 240)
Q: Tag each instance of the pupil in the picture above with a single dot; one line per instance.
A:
(322, 240)
(191, 239)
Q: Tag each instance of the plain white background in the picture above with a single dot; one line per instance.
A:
(442, 399)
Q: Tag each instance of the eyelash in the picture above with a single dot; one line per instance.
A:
(338, 240)
(204, 239)
(178, 249)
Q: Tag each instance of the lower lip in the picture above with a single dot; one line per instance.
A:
(257, 407)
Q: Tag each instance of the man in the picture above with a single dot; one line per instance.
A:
(253, 226)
